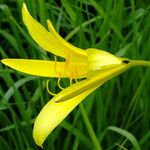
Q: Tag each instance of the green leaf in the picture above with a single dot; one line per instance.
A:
(127, 134)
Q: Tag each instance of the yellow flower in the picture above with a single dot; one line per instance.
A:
(96, 66)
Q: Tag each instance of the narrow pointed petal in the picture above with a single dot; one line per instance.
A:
(77, 53)
(47, 68)
(52, 114)
(64, 102)
(49, 41)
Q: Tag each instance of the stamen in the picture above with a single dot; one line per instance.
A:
(71, 81)
(55, 66)
(51, 93)
(76, 73)
(76, 80)
(68, 59)
(67, 62)
(73, 76)
(55, 58)
(59, 83)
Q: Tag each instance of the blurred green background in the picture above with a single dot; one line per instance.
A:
(119, 111)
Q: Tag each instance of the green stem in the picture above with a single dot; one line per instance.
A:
(140, 63)
(89, 128)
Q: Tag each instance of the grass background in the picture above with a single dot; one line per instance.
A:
(118, 111)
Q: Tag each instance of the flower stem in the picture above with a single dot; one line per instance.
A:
(89, 128)
(140, 63)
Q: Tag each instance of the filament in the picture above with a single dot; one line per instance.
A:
(68, 59)
(72, 76)
(58, 82)
(76, 80)
(47, 87)
(59, 73)
(55, 59)
(71, 81)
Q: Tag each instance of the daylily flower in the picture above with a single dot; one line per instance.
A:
(93, 65)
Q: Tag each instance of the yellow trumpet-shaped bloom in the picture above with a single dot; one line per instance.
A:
(95, 66)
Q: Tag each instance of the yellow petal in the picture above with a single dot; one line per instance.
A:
(55, 111)
(52, 114)
(76, 52)
(99, 59)
(51, 41)
(47, 68)
(98, 78)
